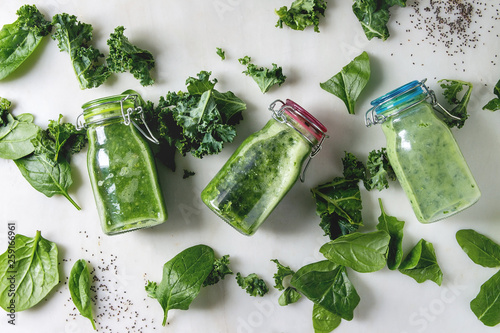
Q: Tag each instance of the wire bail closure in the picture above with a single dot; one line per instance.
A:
(279, 116)
(126, 115)
(372, 118)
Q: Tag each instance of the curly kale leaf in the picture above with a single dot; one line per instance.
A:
(374, 16)
(252, 284)
(19, 40)
(452, 91)
(353, 168)
(67, 139)
(264, 77)
(4, 110)
(494, 104)
(379, 170)
(221, 53)
(302, 14)
(124, 56)
(279, 276)
(219, 271)
(75, 37)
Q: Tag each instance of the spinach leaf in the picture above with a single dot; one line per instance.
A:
(394, 228)
(124, 56)
(19, 40)
(326, 283)
(302, 14)
(16, 141)
(486, 305)
(323, 320)
(494, 104)
(221, 53)
(350, 81)
(79, 289)
(252, 284)
(379, 170)
(451, 92)
(279, 276)
(289, 296)
(219, 271)
(182, 279)
(480, 249)
(264, 77)
(363, 252)
(374, 16)
(75, 37)
(33, 272)
(421, 264)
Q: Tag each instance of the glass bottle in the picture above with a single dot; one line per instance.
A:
(121, 167)
(423, 152)
(265, 167)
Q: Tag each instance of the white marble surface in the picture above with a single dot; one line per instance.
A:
(183, 36)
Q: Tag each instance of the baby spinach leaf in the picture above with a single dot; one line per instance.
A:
(264, 77)
(182, 279)
(494, 104)
(283, 271)
(252, 284)
(79, 289)
(452, 91)
(421, 264)
(350, 81)
(326, 284)
(33, 272)
(323, 320)
(17, 143)
(480, 249)
(289, 296)
(486, 305)
(302, 14)
(363, 252)
(20, 39)
(219, 271)
(394, 228)
(379, 170)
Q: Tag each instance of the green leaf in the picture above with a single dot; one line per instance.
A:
(363, 252)
(421, 264)
(353, 168)
(265, 77)
(350, 81)
(34, 272)
(486, 305)
(17, 142)
(182, 279)
(221, 53)
(326, 283)
(323, 320)
(451, 92)
(394, 228)
(374, 16)
(289, 296)
(379, 170)
(302, 14)
(480, 249)
(79, 289)
(219, 271)
(494, 104)
(252, 284)
(279, 276)
(124, 56)
(20, 39)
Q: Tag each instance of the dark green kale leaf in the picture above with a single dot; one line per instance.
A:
(124, 56)
(67, 139)
(264, 77)
(379, 170)
(374, 16)
(302, 14)
(19, 40)
(494, 104)
(353, 168)
(75, 37)
(4, 111)
(452, 90)
(283, 271)
(252, 284)
(187, 174)
(219, 271)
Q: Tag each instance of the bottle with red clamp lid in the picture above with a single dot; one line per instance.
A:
(265, 167)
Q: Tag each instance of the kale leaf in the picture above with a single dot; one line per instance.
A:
(124, 56)
(19, 40)
(354, 169)
(75, 37)
(494, 104)
(264, 77)
(374, 16)
(283, 271)
(221, 53)
(302, 14)
(219, 271)
(379, 170)
(4, 111)
(452, 90)
(253, 285)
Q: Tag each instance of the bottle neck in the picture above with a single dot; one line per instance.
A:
(113, 108)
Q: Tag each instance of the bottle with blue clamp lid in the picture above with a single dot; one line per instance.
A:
(120, 163)
(423, 152)
(265, 167)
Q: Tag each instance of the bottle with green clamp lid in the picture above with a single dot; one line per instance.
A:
(423, 152)
(265, 167)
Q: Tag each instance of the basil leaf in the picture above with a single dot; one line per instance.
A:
(289, 296)
(350, 81)
(421, 264)
(323, 320)
(326, 283)
(363, 252)
(480, 249)
(494, 104)
(34, 272)
(394, 228)
(486, 305)
(17, 143)
(79, 289)
(182, 279)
